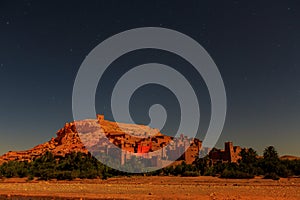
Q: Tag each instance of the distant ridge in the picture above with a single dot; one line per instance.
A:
(289, 157)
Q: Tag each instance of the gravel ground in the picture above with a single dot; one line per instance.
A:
(152, 188)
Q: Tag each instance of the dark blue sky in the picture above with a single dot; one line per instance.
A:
(256, 46)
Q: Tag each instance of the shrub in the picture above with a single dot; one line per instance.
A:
(283, 171)
(65, 175)
(272, 176)
(30, 177)
(209, 172)
(236, 174)
(191, 173)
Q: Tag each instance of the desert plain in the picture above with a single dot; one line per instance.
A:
(154, 187)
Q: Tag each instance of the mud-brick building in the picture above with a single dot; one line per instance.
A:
(229, 154)
(192, 152)
(184, 149)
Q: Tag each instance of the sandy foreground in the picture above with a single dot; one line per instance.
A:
(152, 188)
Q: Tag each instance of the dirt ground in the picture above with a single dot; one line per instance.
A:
(152, 188)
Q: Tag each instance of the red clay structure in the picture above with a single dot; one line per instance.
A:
(130, 138)
(231, 154)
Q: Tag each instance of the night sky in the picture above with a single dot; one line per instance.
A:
(255, 44)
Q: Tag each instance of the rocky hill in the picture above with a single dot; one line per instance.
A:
(68, 140)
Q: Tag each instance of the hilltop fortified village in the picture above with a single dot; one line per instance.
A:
(123, 141)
